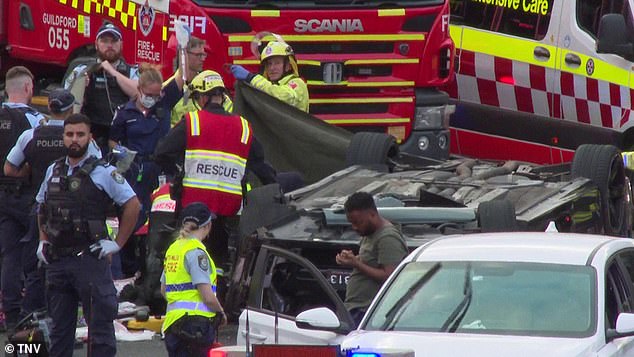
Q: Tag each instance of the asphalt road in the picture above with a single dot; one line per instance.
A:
(153, 348)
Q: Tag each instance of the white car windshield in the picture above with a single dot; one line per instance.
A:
(502, 298)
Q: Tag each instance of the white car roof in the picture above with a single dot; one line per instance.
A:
(538, 247)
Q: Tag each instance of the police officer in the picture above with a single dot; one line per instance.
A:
(112, 83)
(218, 148)
(138, 126)
(280, 76)
(74, 198)
(33, 152)
(15, 117)
(188, 283)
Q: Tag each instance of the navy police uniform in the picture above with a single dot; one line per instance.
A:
(73, 203)
(15, 118)
(141, 132)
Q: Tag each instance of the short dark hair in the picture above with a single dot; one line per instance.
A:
(77, 119)
(359, 201)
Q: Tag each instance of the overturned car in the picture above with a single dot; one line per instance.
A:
(286, 256)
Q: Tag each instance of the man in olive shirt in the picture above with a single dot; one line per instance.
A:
(381, 249)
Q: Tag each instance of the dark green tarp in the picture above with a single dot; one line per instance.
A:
(293, 140)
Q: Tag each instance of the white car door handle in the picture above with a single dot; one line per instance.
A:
(253, 335)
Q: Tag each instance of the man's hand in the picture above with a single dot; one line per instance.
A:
(347, 258)
(107, 67)
(239, 72)
(43, 250)
(105, 247)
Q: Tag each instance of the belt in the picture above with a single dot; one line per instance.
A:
(69, 251)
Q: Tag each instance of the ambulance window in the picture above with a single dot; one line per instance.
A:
(503, 17)
(589, 13)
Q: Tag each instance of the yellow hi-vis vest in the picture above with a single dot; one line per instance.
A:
(182, 295)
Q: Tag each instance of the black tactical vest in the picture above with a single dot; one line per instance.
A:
(46, 146)
(74, 209)
(103, 95)
(13, 122)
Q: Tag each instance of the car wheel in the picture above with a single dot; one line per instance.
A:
(603, 165)
(497, 216)
(371, 149)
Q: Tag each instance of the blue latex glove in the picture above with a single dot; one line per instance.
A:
(104, 247)
(119, 152)
(239, 72)
(43, 249)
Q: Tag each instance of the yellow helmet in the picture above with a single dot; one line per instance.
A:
(205, 81)
(278, 48)
(275, 48)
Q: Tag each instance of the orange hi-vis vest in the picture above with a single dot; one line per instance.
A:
(215, 160)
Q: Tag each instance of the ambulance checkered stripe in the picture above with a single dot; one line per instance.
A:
(530, 88)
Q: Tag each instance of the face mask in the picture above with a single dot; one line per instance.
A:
(147, 101)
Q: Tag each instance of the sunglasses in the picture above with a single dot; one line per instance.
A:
(200, 55)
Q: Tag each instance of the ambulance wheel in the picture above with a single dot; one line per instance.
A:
(371, 149)
(603, 165)
(497, 216)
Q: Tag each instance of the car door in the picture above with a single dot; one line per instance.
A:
(282, 285)
(593, 88)
(505, 77)
(618, 298)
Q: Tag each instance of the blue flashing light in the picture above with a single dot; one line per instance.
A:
(364, 354)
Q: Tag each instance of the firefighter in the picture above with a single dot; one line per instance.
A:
(112, 83)
(138, 126)
(15, 118)
(215, 149)
(280, 76)
(74, 244)
(195, 56)
(189, 283)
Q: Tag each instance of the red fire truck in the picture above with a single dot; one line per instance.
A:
(370, 65)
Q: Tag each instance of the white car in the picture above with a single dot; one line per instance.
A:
(494, 294)
(520, 294)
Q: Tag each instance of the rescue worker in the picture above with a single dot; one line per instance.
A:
(280, 76)
(138, 126)
(74, 244)
(188, 283)
(112, 83)
(214, 148)
(195, 56)
(15, 118)
(33, 152)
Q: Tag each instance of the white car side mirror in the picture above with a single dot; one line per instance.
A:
(318, 318)
(625, 323)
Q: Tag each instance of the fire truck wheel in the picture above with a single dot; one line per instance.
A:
(371, 149)
(603, 165)
(497, 216)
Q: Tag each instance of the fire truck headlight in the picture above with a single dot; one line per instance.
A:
(443, 141)
(423, 143)
(427, 118)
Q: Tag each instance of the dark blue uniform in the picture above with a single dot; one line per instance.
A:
(141, 132)
(15, 118)
(74, 204)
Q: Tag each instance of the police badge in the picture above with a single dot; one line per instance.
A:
(203, 262)
(146, 18)
(116, 176)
